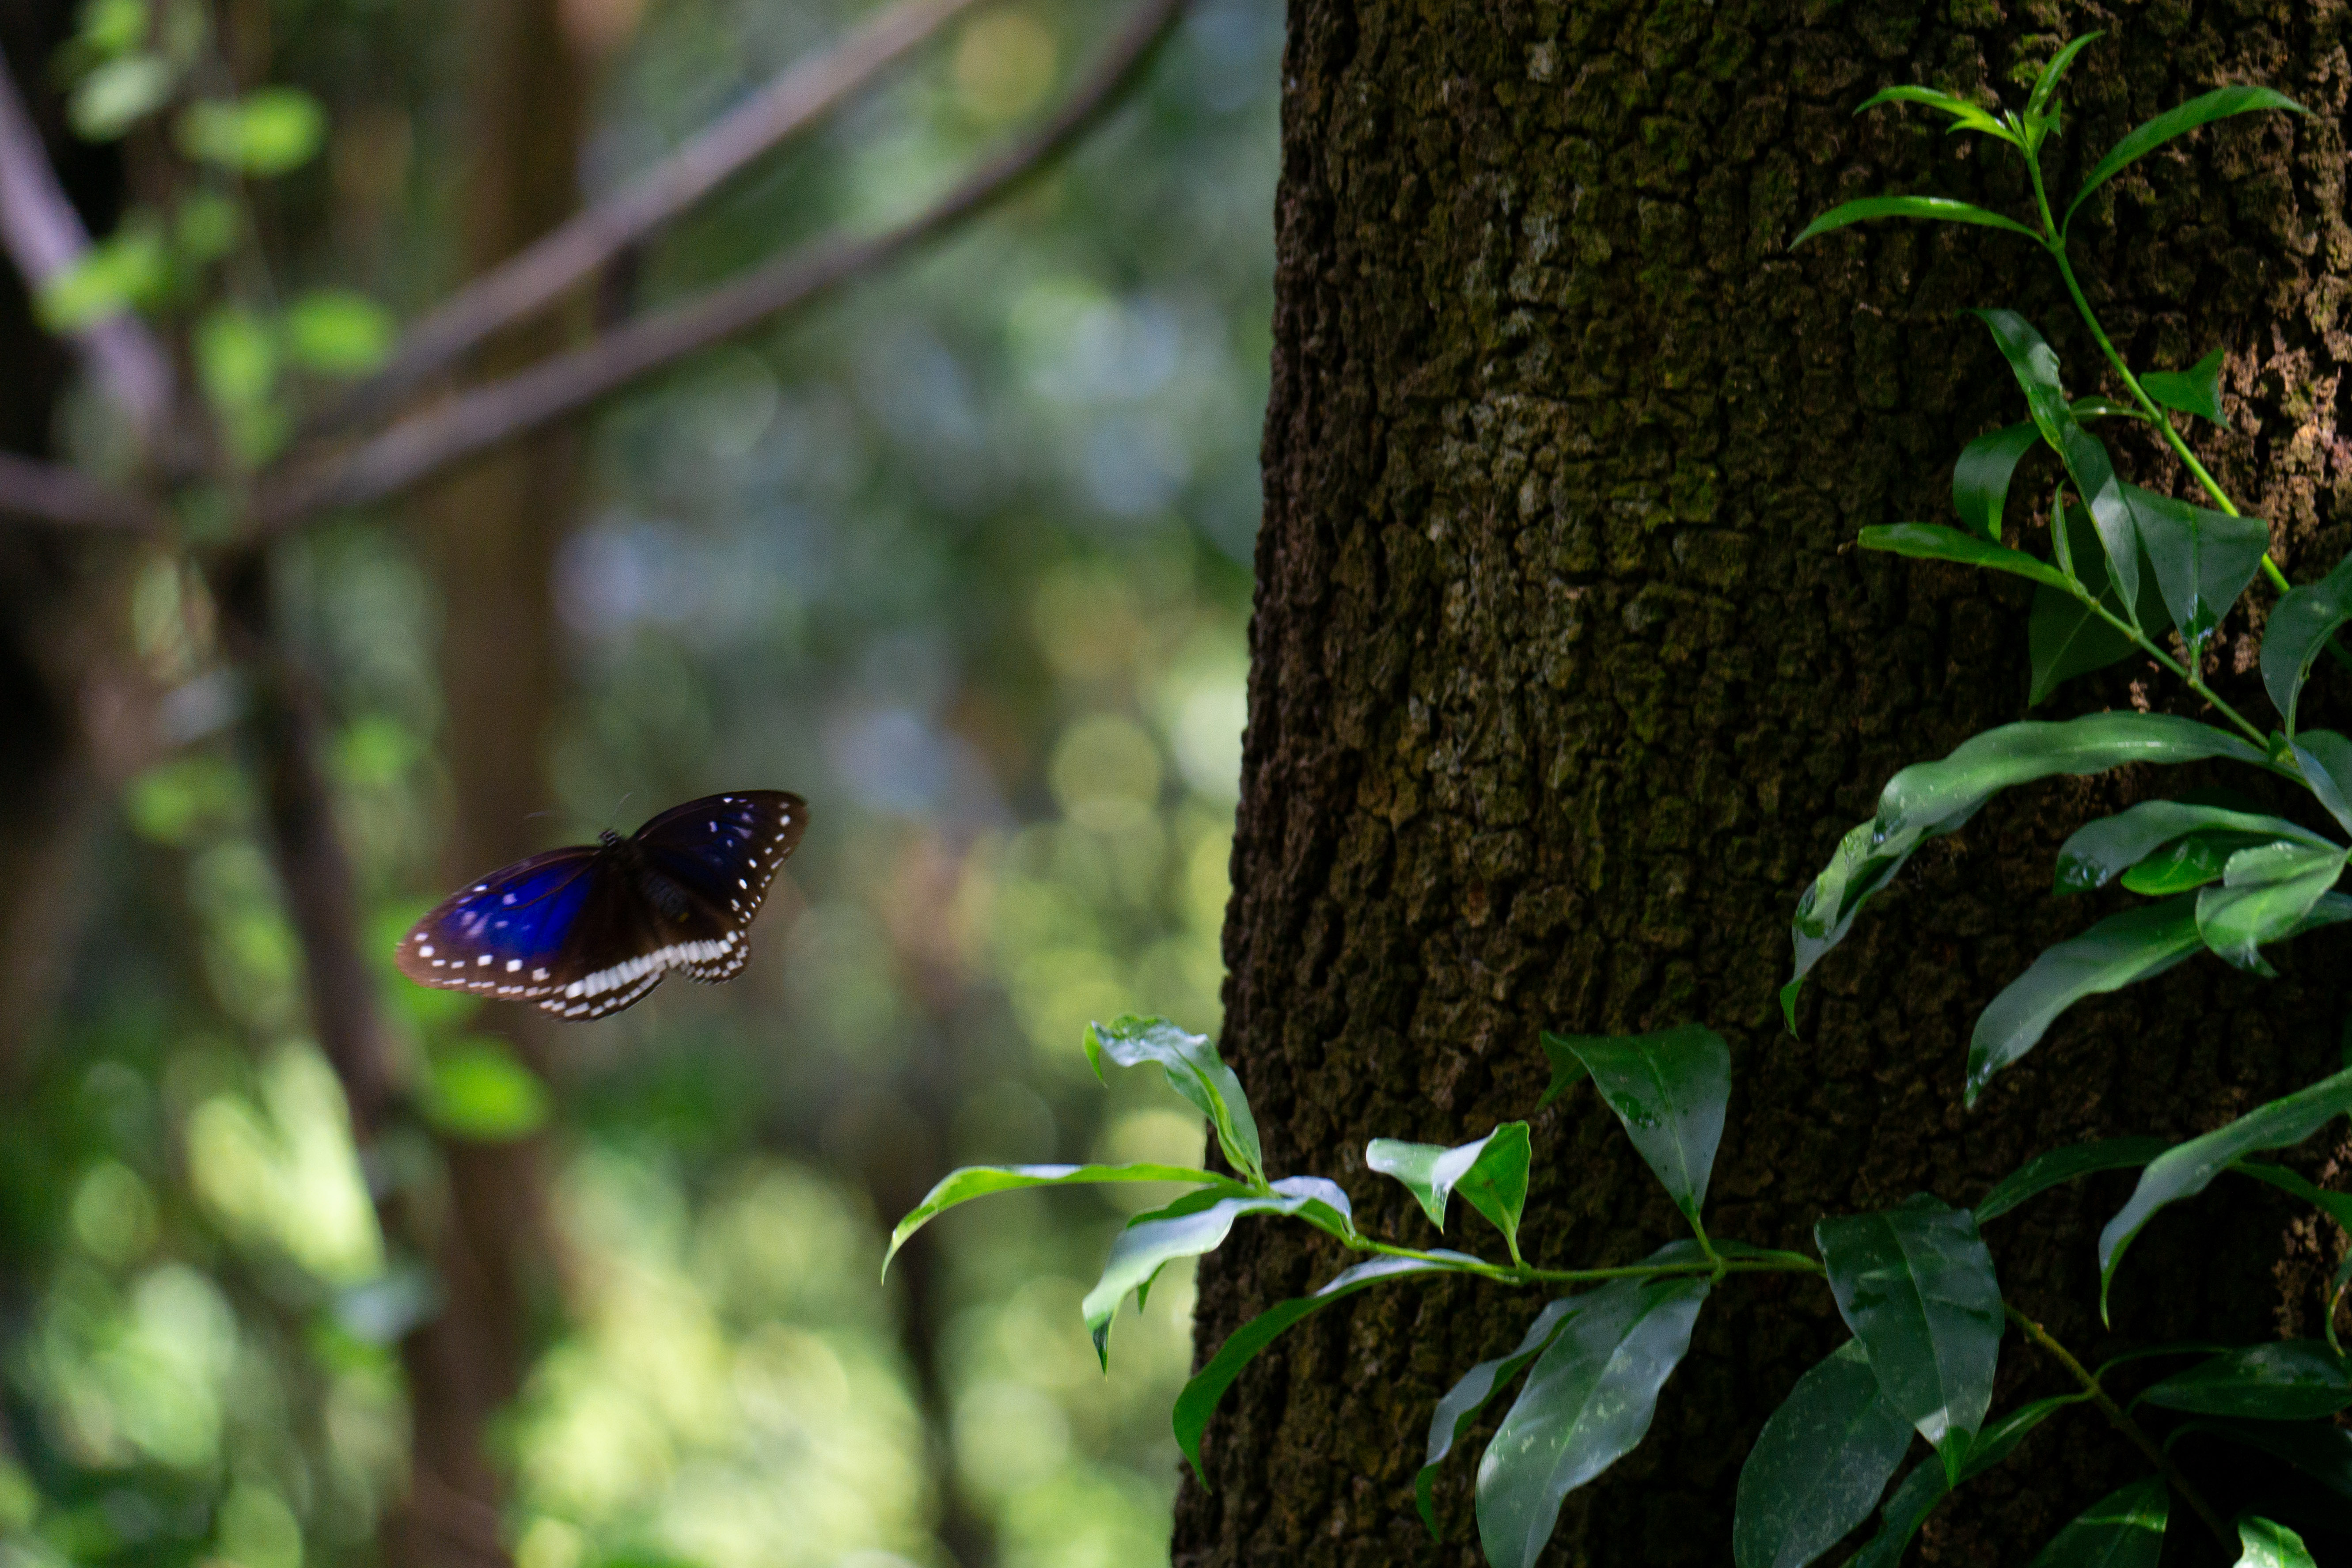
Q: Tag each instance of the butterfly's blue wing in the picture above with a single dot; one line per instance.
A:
(711, 861)
(508, 934)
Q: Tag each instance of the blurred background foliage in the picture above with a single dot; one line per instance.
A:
(962, 557)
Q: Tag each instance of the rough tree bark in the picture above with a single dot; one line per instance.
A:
(1566, 678)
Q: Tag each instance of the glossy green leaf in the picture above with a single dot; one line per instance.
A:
(2265, 893)
(477, 1091)
(1818, 1465)
(2187, 1169)
(1588, 1400)
(2203, 559)
(2064, 636)
(1200, 1395)
(269, 132)
(1935, 541)
(1980, 477)
(2265, 1544)
(1196, 1071)
(2219, 104)
(1941, 208)
(1491, 1174)
(338, 332)
(1669, 1090)
(2045, 87)
(2319, 1449)
(2325, 758)
(2123, 1529)
(2122, 950)
(969, 1182)
(2185, 864)
(1193, 1224)
(2054, 1167)
(1928, 800)
(1915, 1285)
(2300, 625)
(1460, 1405)
(1904, 1512)
(1966, 115)
(1567, 1068)
(2102, 850)
(2292, 1380)
(2197, 390)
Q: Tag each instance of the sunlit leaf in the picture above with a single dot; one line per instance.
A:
(969, 1182)
(2292, 1380)
(338, 332)
(2187, 1169)
(1669, 1090)
(1966, 116)
(2203, 559)
(131, 267)
(119, 94)
(1915, 1285)
(1939, 208)
(1195, 1224)
(2265, 896)
(1199, 1400)
(1928, 800)
(1460, 1405)
(266, 132)
(2123, 1529)
(1491, 1175)
(2266, 1543)
(1818, 1465)
(2197, 390)
(476, 1090)
(2102, 850)
(1588, 1401)
(2046, 85)
(1197, 1072)
(2122, 950)
(2219, 104)
(1934, 541)
(2053, 1167)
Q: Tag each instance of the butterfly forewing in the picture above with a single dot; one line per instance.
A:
(507, 934)
(719, 854)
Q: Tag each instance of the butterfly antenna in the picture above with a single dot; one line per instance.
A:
(620, 803)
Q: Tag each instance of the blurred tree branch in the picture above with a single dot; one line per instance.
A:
(540, 275)
(52, 492)
(473, 421)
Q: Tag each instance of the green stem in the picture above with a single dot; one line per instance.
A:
(1705, 1246)
(1715, 1264)
(2123, 1423)
(2185, 676)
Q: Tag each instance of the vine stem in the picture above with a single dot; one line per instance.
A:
(1715, 1264)
(2123, 1423)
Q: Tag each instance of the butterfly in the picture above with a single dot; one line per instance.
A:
(588, 930)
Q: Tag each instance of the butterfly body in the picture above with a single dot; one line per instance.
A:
(586, 930)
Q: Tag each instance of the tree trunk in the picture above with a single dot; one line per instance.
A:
(1567, 677)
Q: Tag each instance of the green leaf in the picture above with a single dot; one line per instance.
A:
(129, 268)
(2219, 104)
(266, 132)
(2123, 1529)
(1669, 1090)
(1942, 208)
(1491, 1174)
(2326, 759)
(1980, 477)
(475, 1091)
(2203, 559)
(2197, 390)
(1200, 1395)
(1917, 1287)
(1935, 541)
(2065, 636)
(2292, 1380)
(1198, 1073)
(236, 358)
(110, 27)
(119, 94)
(969, 1182)
(1567, 1068)
(338, 332)
(2000, 1440)
(1928, 800)
(2104, 408)
(1588, 1401)
(2046, 85)
(2320, 1449)
(1966, 115)
(1904, 1512)
(1818, 1466)
(2269, 1544)
(2053, 1167)
(2300, 625)
(2099, 851)
(2122, 950)
(2187, 1169)
(2265, 893)
(206, 228)
(1193, 1224)
(1460, 1405)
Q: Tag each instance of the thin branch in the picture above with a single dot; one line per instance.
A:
(475, 421)
(51, 492)
(536, 276)
(45, 236)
